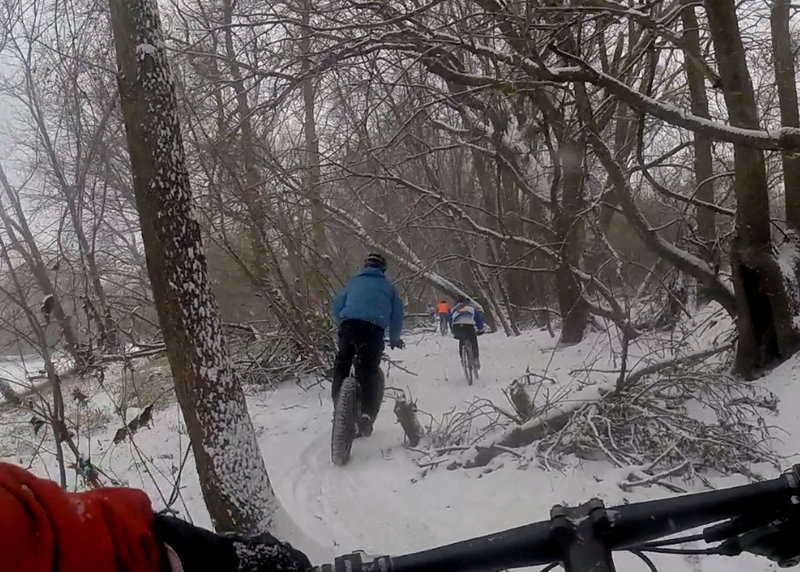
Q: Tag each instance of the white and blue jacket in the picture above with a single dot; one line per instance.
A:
(465, 313)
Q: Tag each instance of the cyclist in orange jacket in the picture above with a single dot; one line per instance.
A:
(443, 312)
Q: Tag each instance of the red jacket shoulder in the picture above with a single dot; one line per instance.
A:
(44, 528)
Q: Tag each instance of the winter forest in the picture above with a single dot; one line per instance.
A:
(185, 185)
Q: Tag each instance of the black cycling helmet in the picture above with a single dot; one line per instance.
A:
(461, 299)
(375, 260)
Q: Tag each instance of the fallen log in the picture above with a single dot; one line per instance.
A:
(553, 420)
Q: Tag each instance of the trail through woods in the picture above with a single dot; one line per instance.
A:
(381, 502)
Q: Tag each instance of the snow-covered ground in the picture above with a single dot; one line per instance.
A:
(381, 502)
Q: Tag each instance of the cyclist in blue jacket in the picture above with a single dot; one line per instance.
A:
(364, 309)
(466, 323)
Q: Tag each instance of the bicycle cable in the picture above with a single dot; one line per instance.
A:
(646, 559)
(701, 551)
(671, 541)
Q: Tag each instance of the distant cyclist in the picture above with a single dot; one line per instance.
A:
(365, 307)
(466, 322)
(443, 313)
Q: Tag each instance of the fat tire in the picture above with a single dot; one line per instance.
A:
(467, 363)
(344, 422)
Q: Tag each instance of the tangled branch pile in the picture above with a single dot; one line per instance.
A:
(265, 358)
(680, 420)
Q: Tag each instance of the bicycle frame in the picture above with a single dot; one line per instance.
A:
(583, 538)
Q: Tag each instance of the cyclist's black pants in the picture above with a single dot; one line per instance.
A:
(364, 342)
(465, 333)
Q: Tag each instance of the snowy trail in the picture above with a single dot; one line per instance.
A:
(378, 503)
(346, 507)
(373, 503)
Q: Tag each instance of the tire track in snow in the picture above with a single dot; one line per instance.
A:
(371, 503)
(351, 506)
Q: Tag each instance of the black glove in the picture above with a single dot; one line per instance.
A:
(479, 332)
(199, 549)
(397, 344)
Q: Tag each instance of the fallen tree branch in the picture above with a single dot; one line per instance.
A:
(110, 358)
(673, 362)
(521, 435)
(643, 479)
(684, 261)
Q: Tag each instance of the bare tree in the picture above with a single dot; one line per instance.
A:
(786, 81)
(703, 162)
(23, 242)
(763, 303)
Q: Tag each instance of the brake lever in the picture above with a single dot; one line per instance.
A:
(776, 540)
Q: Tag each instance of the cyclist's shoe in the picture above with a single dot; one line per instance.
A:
(364, 425)
(477, 363)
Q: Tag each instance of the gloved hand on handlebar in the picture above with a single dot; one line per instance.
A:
(397, 344)
(199, 549)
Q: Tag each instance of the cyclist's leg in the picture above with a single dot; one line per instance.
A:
(473, 338)
(458, 333)
(344, 358)
(368, 370)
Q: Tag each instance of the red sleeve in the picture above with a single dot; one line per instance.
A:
(45, 529)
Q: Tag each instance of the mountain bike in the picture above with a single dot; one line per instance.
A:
(467, 361)
(467, 356)
(761, 518)
(346, 415)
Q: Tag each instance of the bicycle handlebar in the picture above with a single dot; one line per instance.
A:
(583, 537)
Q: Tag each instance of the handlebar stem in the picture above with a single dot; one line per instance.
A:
(582, 534)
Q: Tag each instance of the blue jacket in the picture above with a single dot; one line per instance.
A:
(369, 296)
(466, 313)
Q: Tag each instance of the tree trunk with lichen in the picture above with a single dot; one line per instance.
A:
(232, 474)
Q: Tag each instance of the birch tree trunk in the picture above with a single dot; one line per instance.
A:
(233, 477)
